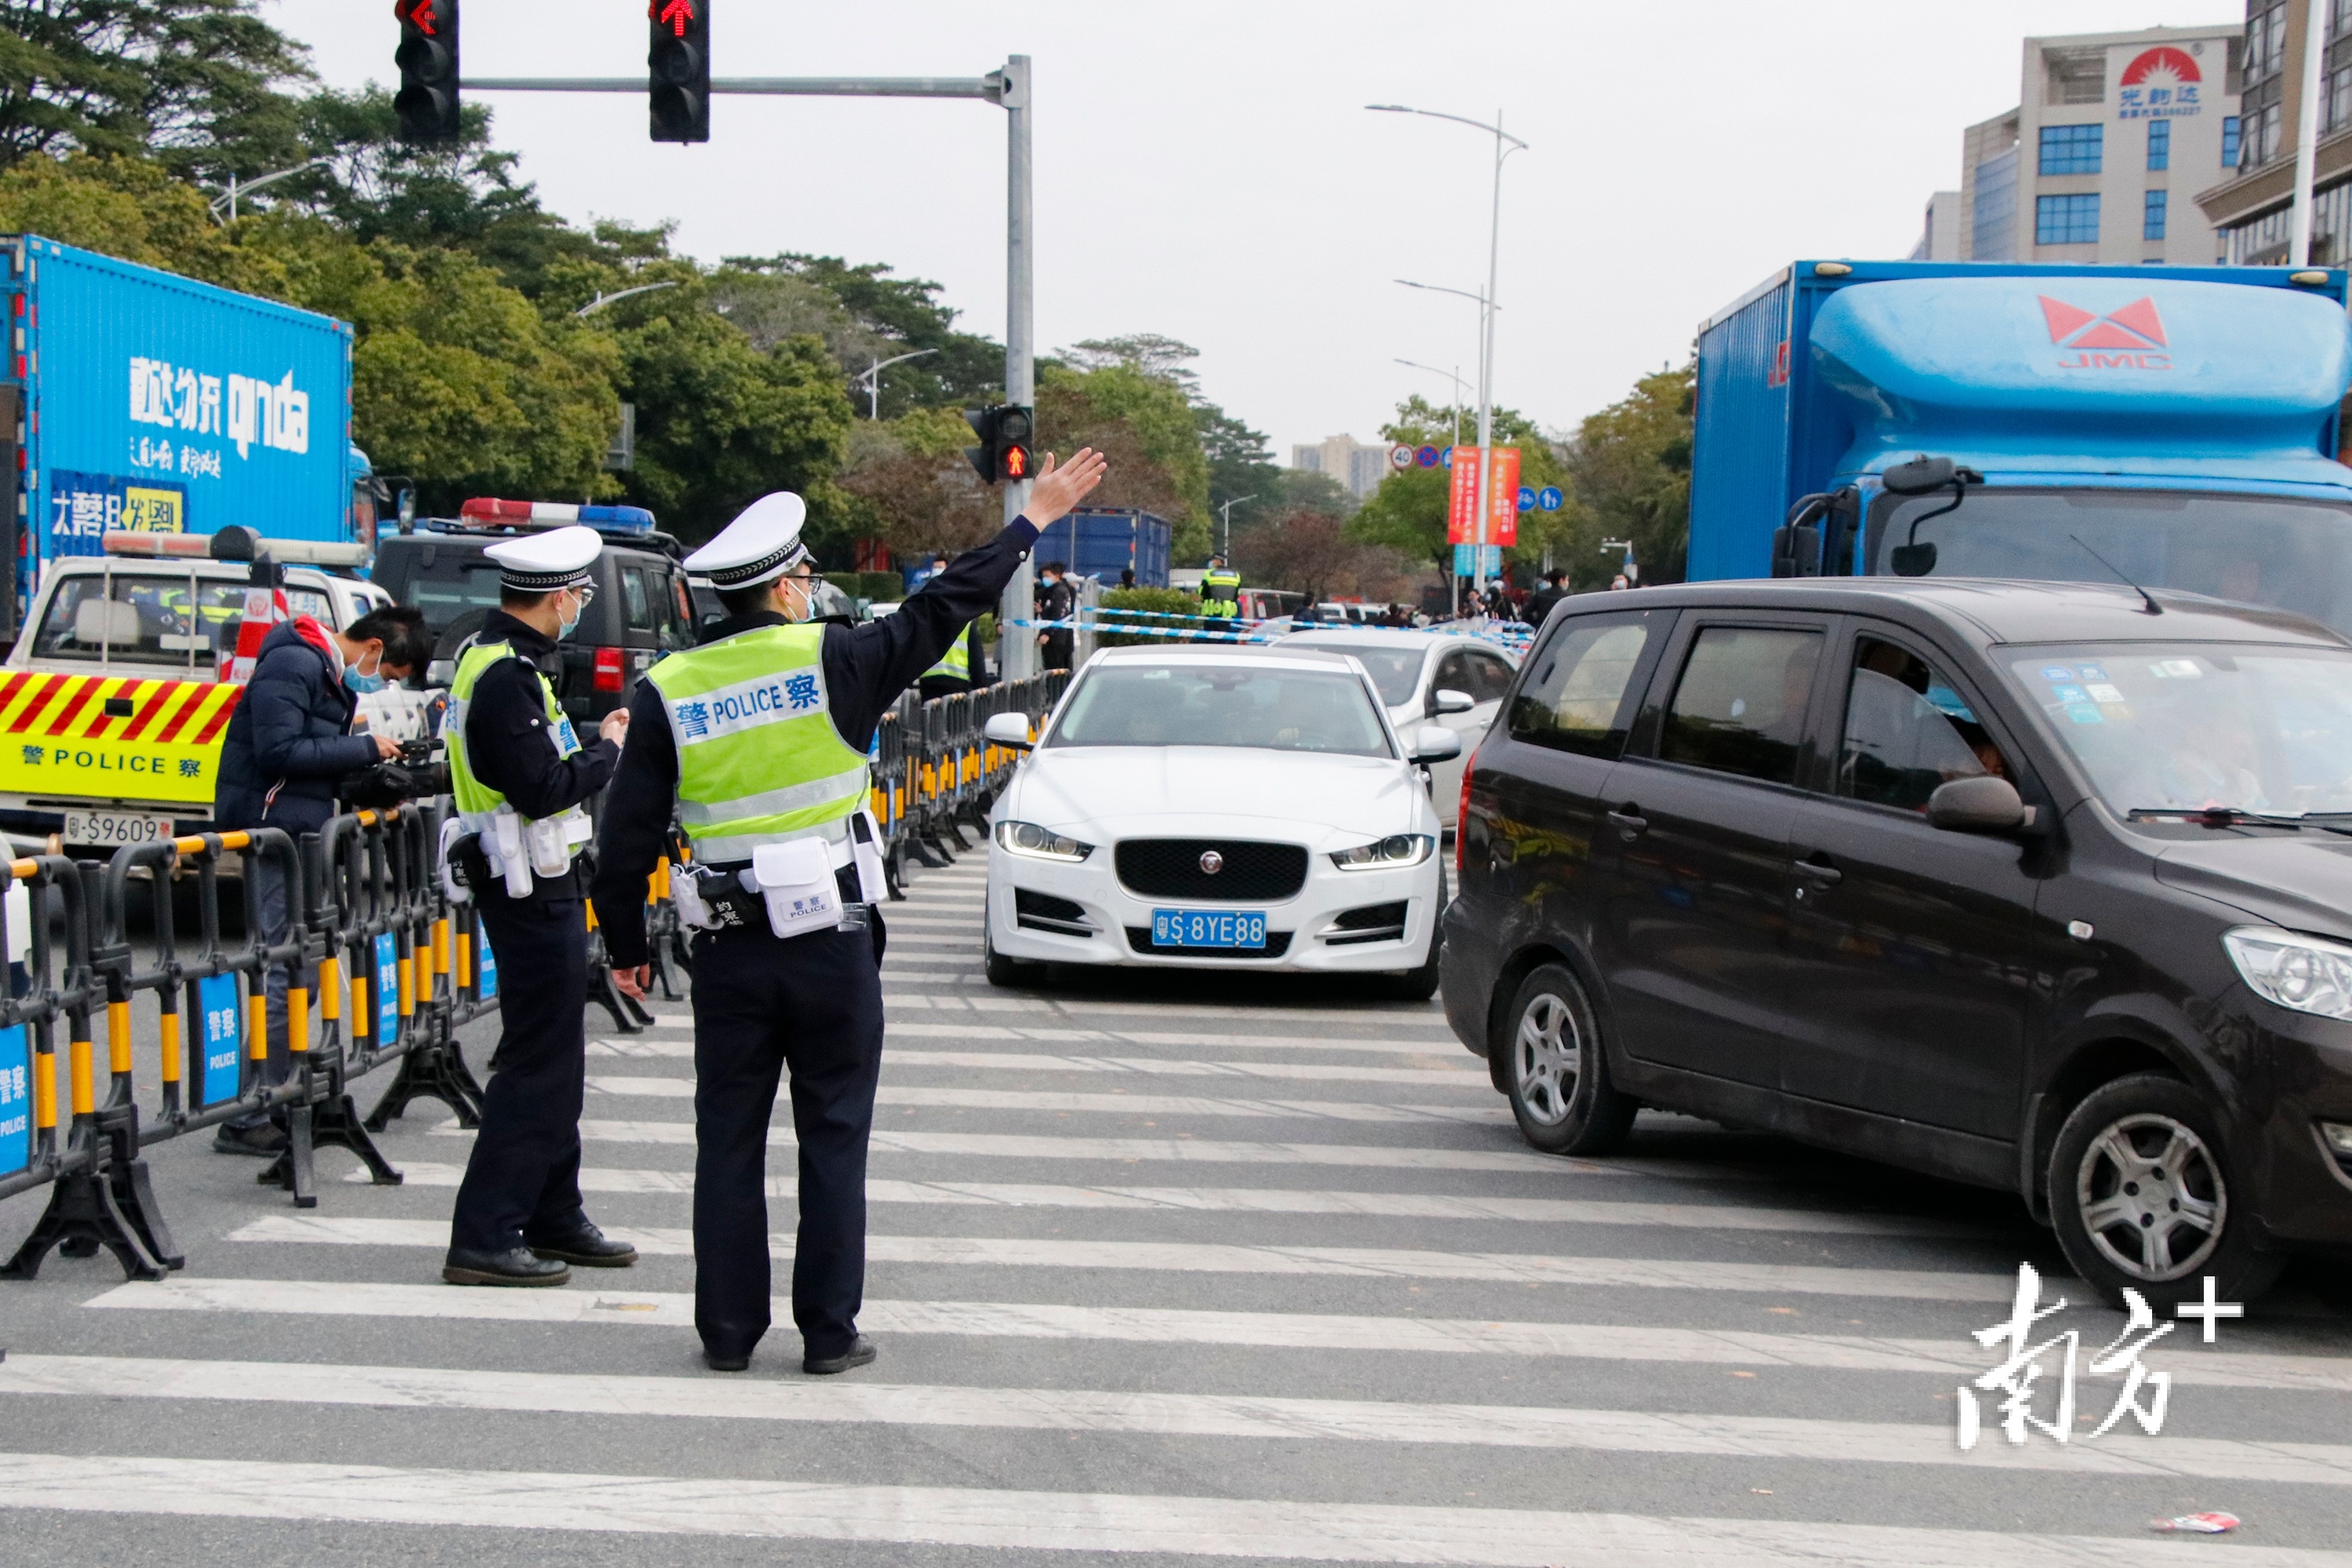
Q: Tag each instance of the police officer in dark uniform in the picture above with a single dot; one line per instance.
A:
(521, 778)
(759, 737)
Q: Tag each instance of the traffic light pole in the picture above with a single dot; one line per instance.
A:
(1008, 88)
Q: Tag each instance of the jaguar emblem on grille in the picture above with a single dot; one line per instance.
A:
(1212, 862)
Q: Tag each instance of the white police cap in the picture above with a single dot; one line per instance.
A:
(543, 563)
(764, 541)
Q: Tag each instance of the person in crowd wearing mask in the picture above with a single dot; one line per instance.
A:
(1056, 601)
(1554, 590)
(288, 742)
(521, 779)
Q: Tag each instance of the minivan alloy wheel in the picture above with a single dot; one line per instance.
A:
(1546, 1048)
(2151, 1196)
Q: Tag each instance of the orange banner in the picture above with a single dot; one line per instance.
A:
(1503, 507)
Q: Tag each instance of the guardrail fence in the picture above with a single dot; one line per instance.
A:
(383, 962)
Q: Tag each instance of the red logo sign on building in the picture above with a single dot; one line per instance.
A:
(2131, 338)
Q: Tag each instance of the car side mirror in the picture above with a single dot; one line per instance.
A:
(1981, 805)
(1008, 729)
(1445, 699)
(1435, 743)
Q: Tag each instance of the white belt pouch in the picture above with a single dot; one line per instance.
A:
(795, 877)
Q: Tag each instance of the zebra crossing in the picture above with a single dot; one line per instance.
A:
(1215, 1268)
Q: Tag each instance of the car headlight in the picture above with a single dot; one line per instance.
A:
(2304, 973)
(1039, 843)
(1401, 849)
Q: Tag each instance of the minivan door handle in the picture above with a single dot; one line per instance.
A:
(1631, 823)
(1817, 871)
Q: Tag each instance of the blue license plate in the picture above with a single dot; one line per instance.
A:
(1207, 928)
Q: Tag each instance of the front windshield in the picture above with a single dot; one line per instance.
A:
(1223, 705)
(1395, 671)
(2263, 550)
(2188, 727)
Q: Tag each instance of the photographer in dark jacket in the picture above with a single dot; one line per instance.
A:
(288, 745)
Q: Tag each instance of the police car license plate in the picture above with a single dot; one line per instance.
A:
(114, 829)
(1207, 928)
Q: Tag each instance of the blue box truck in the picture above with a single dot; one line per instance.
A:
(134, 398)
(2181, 422)
(1101, 542)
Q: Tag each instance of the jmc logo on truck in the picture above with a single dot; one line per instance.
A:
(2134, 329)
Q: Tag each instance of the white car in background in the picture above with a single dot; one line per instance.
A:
(1428, 678)
(1218, 808)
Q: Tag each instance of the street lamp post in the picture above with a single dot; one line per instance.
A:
(240, 187)
(873, 378)
(1227, 508)
(601, 301)
(1455, 373)
(1486, 324)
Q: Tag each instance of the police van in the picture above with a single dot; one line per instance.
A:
(644, 606)
(116, 698)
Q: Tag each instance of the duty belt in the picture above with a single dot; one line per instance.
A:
(731, 905)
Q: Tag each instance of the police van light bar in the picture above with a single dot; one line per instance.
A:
(555, 514)
(233, 543)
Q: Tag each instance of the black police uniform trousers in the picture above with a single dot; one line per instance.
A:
(811, 1002)
(524, 1176)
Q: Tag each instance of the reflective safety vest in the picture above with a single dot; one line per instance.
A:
(478, 802)
(956, 663)
(759, 761)
(1220, 593)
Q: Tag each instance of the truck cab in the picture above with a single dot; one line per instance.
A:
(2167, 426)
(115, 697)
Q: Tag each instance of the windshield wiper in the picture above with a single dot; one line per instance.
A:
(2230, 815)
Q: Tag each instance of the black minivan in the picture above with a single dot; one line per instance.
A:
(2040, 886)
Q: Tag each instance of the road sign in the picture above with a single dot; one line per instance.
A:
(1400, 456)
(1526, 499)
(1445, 459)
(1426, 457)
(1549, 499)
(1467, 565)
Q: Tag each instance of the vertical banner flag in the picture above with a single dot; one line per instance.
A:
(221, 1035)
(387, 992)
(1503, 505)
(1462, 498)
(16, 1099)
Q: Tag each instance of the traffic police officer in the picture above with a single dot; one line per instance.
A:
(962, 667)
(760, 737)
(519, 776)
(1221, 590)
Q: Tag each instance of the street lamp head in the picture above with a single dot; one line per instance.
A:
(1388, 109)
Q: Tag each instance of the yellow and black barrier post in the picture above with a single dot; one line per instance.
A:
(100, 1193)
(413, 958)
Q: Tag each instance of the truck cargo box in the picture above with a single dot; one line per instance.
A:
(1103, 542)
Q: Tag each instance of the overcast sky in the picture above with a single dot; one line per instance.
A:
(1207, 171)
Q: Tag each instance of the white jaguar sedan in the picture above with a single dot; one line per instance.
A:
(1219, 808)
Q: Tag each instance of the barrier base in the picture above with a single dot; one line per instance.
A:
(112, 1206)
(431, 1071)
(332, 1123)
(927, 854)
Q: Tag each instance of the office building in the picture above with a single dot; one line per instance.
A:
(1346, 459)
(1939, 230)
(2109, 128)
(2249, 208)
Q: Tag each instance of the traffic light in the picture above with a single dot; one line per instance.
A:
(427, 59)
(1004, 451)
(678, 64)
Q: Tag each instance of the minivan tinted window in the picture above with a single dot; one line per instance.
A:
(1739, 706)
(1575, 697)
(1907, 731)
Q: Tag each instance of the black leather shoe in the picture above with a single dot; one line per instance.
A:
(265, 1141)
(515, 1265)
(717, 1362)
(860, 1352)
(588, 1247)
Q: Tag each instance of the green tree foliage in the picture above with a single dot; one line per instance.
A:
(194, 83)
(1241, 468)
(132, 208)
(916, 490)
(1158, 602)
(1632, 464)
(868, 315)
(1144, 425)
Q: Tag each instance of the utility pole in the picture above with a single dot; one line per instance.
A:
(2307, 132)
(1006, 87)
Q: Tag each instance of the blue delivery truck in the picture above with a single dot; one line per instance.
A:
(1994, 420)
(1101, 542)
(134, 398)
